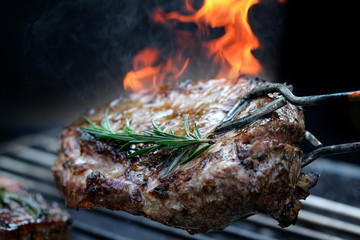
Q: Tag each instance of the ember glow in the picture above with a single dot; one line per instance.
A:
(230, 53)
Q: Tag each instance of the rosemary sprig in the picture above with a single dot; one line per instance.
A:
(185, 147)
(7, 199)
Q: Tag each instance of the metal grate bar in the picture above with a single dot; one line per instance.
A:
(35, 185)
(98, 232)
(330, 223)
(33, 155)
(48, 140)
(243, 233)
(151, 224)
(332, 207)
(17, 166)
(142, 227)
(293, 229)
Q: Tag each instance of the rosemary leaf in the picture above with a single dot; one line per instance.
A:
(144, 150)
(127, 128)
(186, 125)
(182, 146)
(197, 132)
(7, 199)
(173, 146)
(192, 135)
(177, 142)
(126, 145)
(105, 123)
(156, 127)
(195, 154)
(92, 124)
(176, 160)
(194, 149)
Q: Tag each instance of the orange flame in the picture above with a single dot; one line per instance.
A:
(231, 52)
(147, 76)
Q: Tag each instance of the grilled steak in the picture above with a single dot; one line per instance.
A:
(248, 170)
(26, 215)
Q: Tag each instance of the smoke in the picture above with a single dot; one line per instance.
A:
(85, 48)
(88, 45)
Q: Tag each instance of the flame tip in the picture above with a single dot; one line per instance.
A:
(232, 51)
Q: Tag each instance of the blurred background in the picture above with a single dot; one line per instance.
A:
(60, 58)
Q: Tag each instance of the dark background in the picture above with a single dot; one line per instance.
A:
(59, 58)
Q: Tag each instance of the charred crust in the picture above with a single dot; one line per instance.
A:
(64, 150)
(86, 137)
(305, 182)
(279, 147)
(111, 149)
(247, 164)
(136, 195)
(67, 164)
(189, 176)
(96, 184)
(103, 147)
(261, 158)
(161, 191)
(288, 214)
(94, 175)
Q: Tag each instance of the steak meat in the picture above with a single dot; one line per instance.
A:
(246, 171)
(18, 222)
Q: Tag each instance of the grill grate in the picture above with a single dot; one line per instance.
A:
(29, 158)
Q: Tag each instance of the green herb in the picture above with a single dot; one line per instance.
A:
(185, 148)
(7, 199)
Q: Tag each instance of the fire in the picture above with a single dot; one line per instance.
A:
(231, 52)
(147, 75)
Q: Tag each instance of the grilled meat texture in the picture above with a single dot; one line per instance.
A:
(248, 170)
(16, 222)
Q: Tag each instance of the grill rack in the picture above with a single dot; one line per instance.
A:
(29, 158)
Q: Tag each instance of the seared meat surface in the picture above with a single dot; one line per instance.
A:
(248, 170)
(17, 221)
